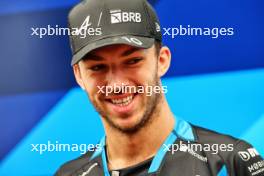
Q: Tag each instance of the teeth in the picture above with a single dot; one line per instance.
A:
(123, 101)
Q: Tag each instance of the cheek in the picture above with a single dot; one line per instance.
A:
(92, 83)
(145, 73)
(93, 87)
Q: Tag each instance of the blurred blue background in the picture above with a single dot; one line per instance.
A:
(214, 83)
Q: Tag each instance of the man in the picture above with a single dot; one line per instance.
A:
(117, 44)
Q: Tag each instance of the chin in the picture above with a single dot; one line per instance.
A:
(127, 122)
(130, 124)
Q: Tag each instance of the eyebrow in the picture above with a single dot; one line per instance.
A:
(130, 51)
(93, 57)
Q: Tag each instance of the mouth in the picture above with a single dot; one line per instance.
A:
(121, 103)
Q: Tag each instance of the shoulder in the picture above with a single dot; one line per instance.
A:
(204, 135)
(239, 156)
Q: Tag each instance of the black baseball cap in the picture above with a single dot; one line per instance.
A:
(97, 23)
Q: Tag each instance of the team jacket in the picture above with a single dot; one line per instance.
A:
(188, 151)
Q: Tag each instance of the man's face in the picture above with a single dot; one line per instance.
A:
(119, 65)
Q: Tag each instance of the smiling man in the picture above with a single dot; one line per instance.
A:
(118, 44)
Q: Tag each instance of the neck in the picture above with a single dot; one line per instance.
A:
(125, 150)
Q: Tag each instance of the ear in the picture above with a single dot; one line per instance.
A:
(78, 76)
(164, 61)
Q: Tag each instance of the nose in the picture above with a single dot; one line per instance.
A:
(116, 79)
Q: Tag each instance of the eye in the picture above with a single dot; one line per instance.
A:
(97, 67)
(133, 61)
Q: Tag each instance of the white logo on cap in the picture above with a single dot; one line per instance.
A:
(117, 16)
(86, 23)
(133, 40)
(87, 29)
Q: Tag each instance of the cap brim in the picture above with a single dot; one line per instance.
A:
(137, 41)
